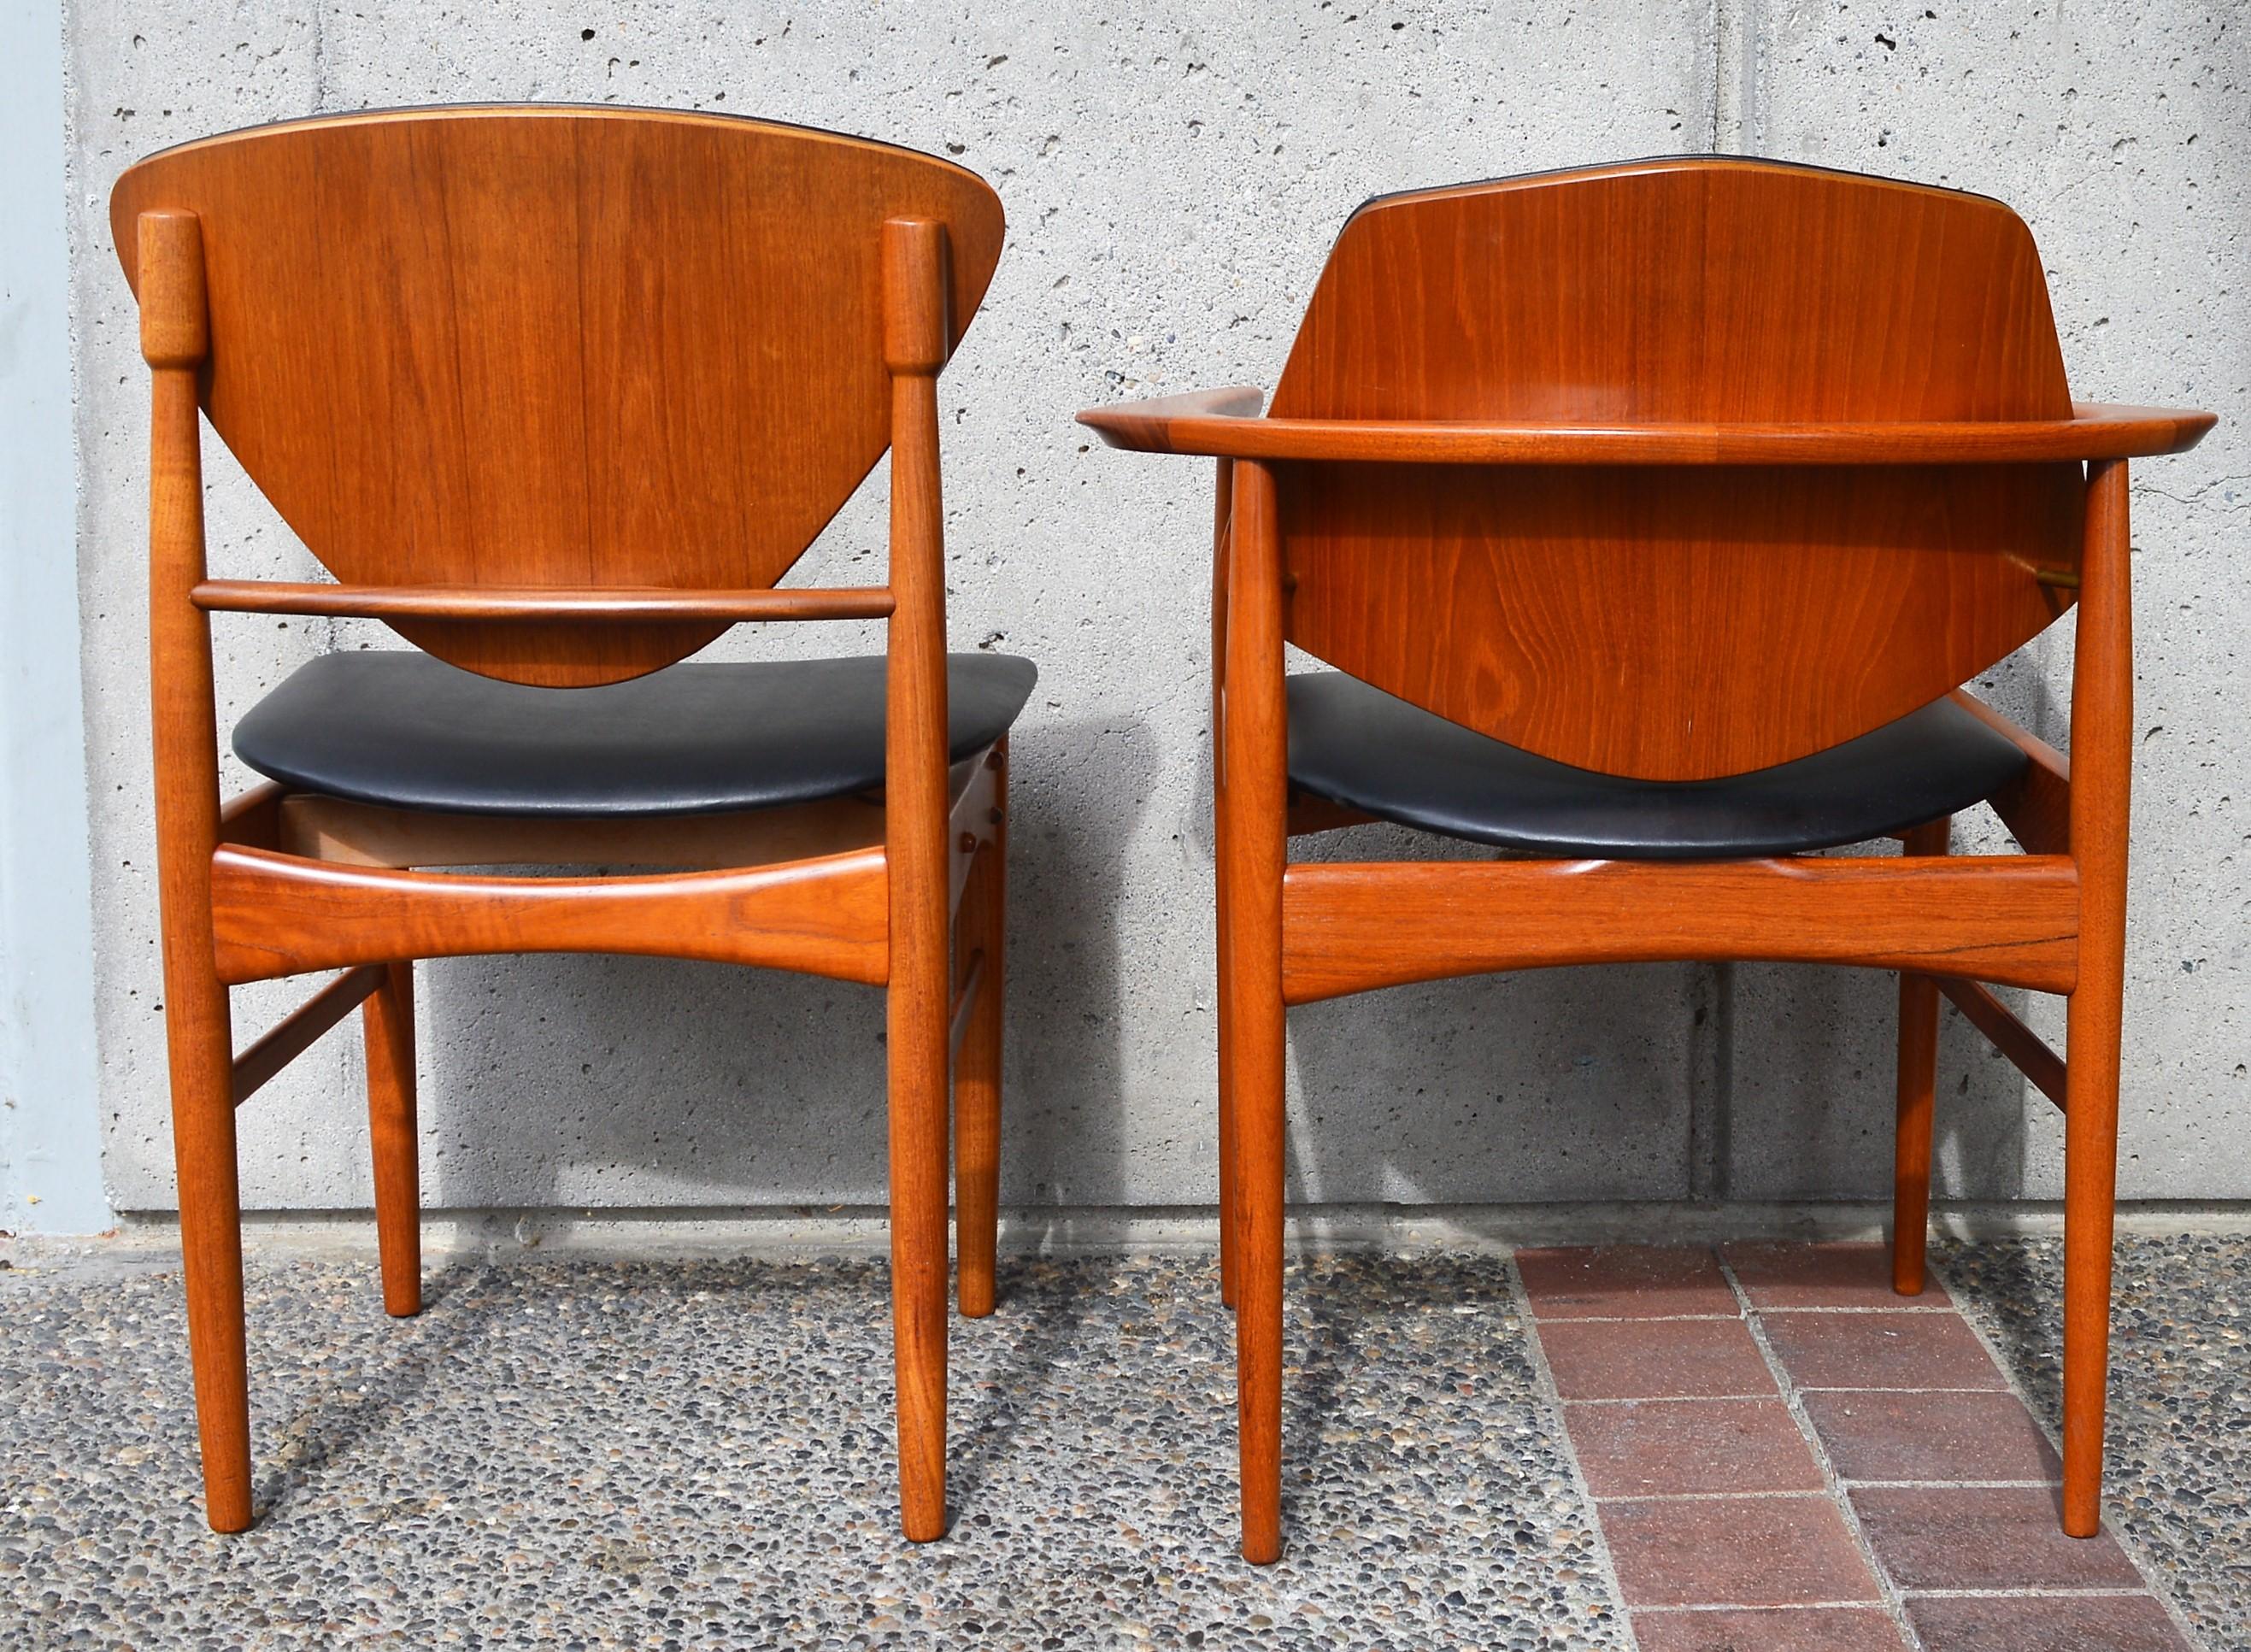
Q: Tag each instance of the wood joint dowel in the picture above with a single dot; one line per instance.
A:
(2064, 579)
(297, 1031)
(964, 1000)
(2026, 1051)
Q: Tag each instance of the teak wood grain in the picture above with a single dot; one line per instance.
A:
(1674, 470)
(278, 915)
(556, 345)
(1351, 927)
(561, 393)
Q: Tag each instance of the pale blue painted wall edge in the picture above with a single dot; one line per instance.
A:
(50, 1139)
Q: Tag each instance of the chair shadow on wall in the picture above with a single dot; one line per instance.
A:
(767, 1088)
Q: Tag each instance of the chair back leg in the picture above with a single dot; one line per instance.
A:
(1254, 737)
(1918, 1084)
(2101, 762)
(388, 1019)
(981, 934)
(199, 1030)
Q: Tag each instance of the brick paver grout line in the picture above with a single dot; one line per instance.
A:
(1775, 1607)
(1893, 1601)
(1803, 1388)
(1723, 1319)
(2040, 1592)
(2051, 1429)
(1544, 1381)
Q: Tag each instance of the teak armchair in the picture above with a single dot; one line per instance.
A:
(1653, 516)
(560, 393)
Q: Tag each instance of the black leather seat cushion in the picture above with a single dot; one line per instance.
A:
(1355, 744)
(412, 732)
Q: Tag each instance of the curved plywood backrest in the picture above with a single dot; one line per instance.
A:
(1694, 621)
(554, 346)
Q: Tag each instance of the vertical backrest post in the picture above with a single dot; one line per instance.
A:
(914, 259)
(916, 851)
(183, 715)
(1254, 733)
(2103, 682)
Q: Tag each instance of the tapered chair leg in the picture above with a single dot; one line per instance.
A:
(2089, 1207)
(917, 1036)
(1918, 1084)
(211, 1237)
(1230, 1241)
(388, 1019)
(982, 927)
(1259, 1157)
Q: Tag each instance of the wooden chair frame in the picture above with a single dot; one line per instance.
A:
(2051, 918)
(905, 890)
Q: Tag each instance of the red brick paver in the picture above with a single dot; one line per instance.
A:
(1774, 1275)
(2041, 1623)
(1769, 1629)
(1625, 1282)
(1931, 1437)
(1667, 1447)
(1880, 1350)
(1655, 1359)
(1735, 1551)
(1984, 1537)
(1742, 1515)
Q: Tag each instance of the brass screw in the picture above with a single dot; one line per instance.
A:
(968, 842)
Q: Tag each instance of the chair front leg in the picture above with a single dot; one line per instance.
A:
(2089, 1207)
(388, 1019)
(1918, 1084)
(2102, 746)
(1256, 1115)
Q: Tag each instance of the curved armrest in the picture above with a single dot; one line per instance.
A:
(1214, 425)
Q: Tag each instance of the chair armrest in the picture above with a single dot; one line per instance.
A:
(1214, 425)
(1146, 426)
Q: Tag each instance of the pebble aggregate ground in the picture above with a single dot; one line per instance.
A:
(576, 1453)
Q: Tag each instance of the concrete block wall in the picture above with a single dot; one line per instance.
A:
(1173, 174)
